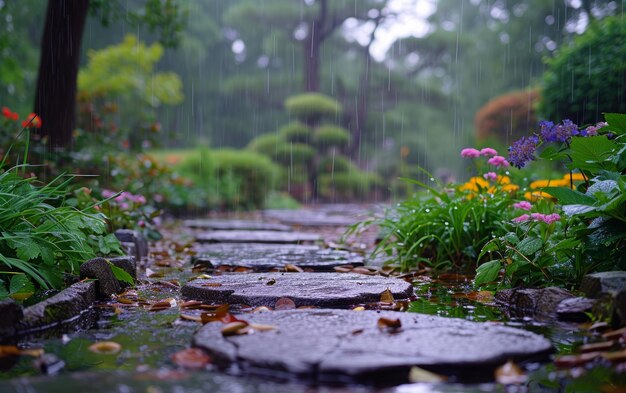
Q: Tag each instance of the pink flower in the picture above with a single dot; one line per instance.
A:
(491, 176)
(498, 161)
(488, 152)
(551, 218)
(537, 216)
(524, 205)
(522, 218)
(139, 199)
(470, 153)
(108, 193)
(124, 206)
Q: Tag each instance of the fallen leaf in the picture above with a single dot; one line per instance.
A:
(261, 327)
(191, 304)
(481, 296)
(569, 361)
(202, 277)
(343, 269)
(420, 375)
(12, 350)
(359, 308)
(162, 305)
(594, 347)
(363, 270)
(618, 356)
(510, 373)
(284, 303)
(193, 358)
(357, 332)
(615, 334)
(293, 268)
(388, 323)
(212, 284)
(234, 328)
(271, 281)
(386, 296)
(261, 309)
(105, 347)
(188, 317)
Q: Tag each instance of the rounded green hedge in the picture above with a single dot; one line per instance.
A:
(336, 164)
(294, 154)
(312, 106)
(329, 136)
(295, 132)
(266, 144)
(348, 186)
(587, 77)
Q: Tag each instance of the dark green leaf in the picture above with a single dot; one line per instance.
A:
(617, 121)
(487, 272)
(567, 196)
(20, 284)
(530, 245)
(591, 153)
(572, 210)
(121, 274)
(512, 238)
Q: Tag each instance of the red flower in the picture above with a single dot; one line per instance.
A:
(6, 112)
(32, 120)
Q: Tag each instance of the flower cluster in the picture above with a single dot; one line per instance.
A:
(538, 217)
(8, 114)
(567, 180)
(126, 200)
(32, 120)
(523, 151)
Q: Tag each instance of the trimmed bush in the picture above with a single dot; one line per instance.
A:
(294, 154)
(348, 185)
(328, 136)
(507, 117)
(265, 144)
(588, 76)
(336, 164)
(310, 107)
(295, 132)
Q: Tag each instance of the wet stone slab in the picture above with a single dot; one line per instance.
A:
(312, 218)
(348, 346)
(330, 290)
(257, 237)
(264, 257)
(235, 225)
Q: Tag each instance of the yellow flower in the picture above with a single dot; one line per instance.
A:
(542, 183)
(574, 176)
(503, 179)
(511, 188)
(536, 195)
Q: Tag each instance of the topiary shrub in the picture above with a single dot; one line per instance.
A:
(588, 76)
(348, 186)
(331, 136)
(335, 164)
(295, 132)
(311, 107)
(291, 154)
(265, 144)
(508, 117)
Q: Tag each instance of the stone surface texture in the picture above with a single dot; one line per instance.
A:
(532, 302)
(265, 257)
(140, 243)
(67, 304)
(257, 237)
(597, 284)
(106, 284)
(344, 345)
(330, 290)
(575, 308)
(11, 313)
(236, 225)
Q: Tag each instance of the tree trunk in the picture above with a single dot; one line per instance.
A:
(55, 99)
(312, 46)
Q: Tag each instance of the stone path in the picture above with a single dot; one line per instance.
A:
(350, 346)
(264, 257)
(236, 225)
(328, 343)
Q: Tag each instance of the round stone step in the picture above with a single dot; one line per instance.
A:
(264, 257)
(329, 290)
(257, 237)
(349, 346)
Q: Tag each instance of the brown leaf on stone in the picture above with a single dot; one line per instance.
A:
(510, 373)
(243, 269)
(162, 305)
(388, 323)
(343, 268)
(419, 375)
(12, 350)
(293, 268)
(261, 327)
(357, 332)
(615, 334)
(569, 361)
(481, 296)
(594, 347)
(189, 317)
(617, 356)
(166, 262)
(599, 327)
(192, 358)
(284, 303)
(363, 270)
(191, 304)
(386, 296)
(105, 347)
(261, 309)
(211, 284)
(234, 328)
(124, 300)
(359, 308)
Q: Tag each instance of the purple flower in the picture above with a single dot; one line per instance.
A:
(523, 151)
(593, 130)
(521, 219)
(488, 152)
(106, 194)
(498, 161)
(470, 153)
(551, 218)
(524, 205)
(557, 133)
(491, 176)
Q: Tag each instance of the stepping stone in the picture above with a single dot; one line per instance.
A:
(236, 225)
(330, 290)
(348, 346)
(310, 218)
(264, 257)
(596, 285)
(257, 237)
